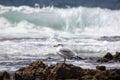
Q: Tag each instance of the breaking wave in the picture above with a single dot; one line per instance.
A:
(81, 20)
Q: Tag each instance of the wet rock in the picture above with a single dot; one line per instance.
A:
(100, 76)
(61, 71)
(102, 68)
(117, 56)
(40, 71)
(87, 77)
(17, 76)
(108, 56)
(88, 74)
(4, 76)
(113, 74)
(34, 71)
(102, 60)
(66, 69)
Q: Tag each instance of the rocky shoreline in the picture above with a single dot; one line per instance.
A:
(109, 57)
(40, 71)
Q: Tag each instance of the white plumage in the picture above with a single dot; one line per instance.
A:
(64, 52)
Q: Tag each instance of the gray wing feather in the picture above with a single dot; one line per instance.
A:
(68, 53)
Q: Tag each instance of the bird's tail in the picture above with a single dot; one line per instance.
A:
(76, 58)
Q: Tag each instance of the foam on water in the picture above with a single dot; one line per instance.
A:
(28, 33)
(83, 20)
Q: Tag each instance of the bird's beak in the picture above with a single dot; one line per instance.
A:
(55, 46)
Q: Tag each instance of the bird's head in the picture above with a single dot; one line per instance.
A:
(58, 45)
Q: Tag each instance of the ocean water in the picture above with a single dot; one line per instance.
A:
(29, 33)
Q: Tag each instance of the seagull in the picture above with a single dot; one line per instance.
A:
(64, 52)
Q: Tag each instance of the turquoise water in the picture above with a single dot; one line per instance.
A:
(94, 21)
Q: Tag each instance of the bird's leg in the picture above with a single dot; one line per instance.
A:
(64, 60)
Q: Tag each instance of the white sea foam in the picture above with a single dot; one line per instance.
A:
(92, 21)
(27, 32)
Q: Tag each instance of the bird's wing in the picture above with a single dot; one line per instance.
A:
(66, 52)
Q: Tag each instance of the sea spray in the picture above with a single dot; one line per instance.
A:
(90, 21)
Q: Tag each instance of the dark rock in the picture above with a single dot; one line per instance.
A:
(17, 76)
(100, 76)
(4, 76)
(87, 77)
(102, 68)
(37, 64)
(102, 60)
(34, 71)
(117, 56)
(61, 71)
(88, 74)
(108, 56)
(114, 74)
(116, 77)
(40, 71)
